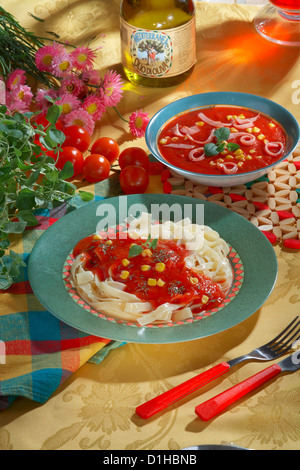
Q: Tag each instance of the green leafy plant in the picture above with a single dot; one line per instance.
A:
(221, 134)
(29, 180)
(136, 250)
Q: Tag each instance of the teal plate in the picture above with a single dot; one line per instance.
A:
(252, 257)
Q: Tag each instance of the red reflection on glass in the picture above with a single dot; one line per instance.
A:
(287, 4)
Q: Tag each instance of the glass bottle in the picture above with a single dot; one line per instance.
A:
(158, 43)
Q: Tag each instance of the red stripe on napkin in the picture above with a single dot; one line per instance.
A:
(18, 288)
(26, 347)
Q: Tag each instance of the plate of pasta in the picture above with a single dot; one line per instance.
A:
(152, 268)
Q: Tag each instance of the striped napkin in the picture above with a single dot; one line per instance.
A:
(38, 352)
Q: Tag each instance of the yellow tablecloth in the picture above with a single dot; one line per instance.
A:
(94, 408)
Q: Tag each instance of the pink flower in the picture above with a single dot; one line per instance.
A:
(91, 77)
(2, 91)
(95, 106)
(81, 118)
(19, 99)
(83, 58)
(72, 84)
(137, 123)
(69, 103)
(15, 78)
(40, 99)
(112, 88)
(62, 64)
(45, 56)
(11, 105)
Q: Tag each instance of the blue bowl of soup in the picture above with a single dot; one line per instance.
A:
(222, 138)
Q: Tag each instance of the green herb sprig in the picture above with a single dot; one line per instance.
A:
(136, 250)
(221, 134)
(29, 180)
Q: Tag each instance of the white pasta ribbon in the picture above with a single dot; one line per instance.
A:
(207, 255)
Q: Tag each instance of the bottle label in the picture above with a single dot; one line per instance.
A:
(158, 53)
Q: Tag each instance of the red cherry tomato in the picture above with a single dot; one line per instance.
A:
(73, 155)
(107, 147)
(42, 120)
(134, 156)
(77, 137)
(49, 153)
(134, 179)
(96, 168)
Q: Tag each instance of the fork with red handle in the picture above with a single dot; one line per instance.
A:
(214, 406)
(275, 348)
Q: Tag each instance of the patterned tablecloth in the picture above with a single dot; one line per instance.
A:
(92, 404)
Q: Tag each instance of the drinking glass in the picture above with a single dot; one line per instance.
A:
(279, 22)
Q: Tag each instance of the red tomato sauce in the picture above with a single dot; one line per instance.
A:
(157, 275)
(261, 140)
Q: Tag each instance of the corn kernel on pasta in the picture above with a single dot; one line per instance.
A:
(153, 272)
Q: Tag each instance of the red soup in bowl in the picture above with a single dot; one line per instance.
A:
(222, 140)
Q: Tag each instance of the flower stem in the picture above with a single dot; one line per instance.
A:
(120, 116)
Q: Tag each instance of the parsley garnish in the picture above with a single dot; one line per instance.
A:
(222, 135)
(176, 288)
(136, 250)
(161, 256)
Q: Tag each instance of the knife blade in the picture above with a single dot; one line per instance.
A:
(214, 406)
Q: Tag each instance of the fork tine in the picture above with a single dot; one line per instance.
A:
(277, 338)
(285, 343)
(288, 344)
(287, 335)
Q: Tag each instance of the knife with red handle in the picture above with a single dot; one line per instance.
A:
(214, 406)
